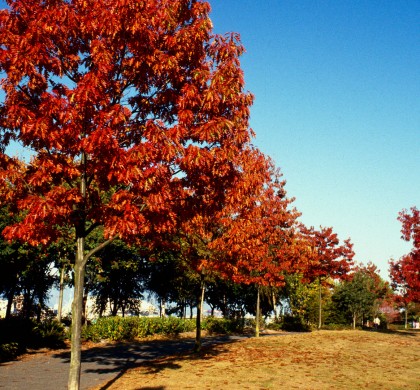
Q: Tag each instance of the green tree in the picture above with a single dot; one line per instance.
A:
(359, 297)
(119, 279)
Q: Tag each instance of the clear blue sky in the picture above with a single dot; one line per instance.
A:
(337, 106)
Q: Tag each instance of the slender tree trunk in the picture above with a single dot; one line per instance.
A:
(354, 321)
(258, 315)
(320, 305)
(27, 304)
(10, 297)
(79, 281)
(224, 308)
(38, 312)
(406, 317)
(203, 290)
(197, 344)
(61, 295)
(114, 309)
(76, 317)
(273, 295)
(162, 308)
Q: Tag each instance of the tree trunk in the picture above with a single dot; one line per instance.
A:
(320, 305)
(203, 290)
(79, 281)
(61, 295)
(197, 344)
(162, 308)
(354, 321)
(114, 309)
(38, 312)
(406, 317)
(76, 317)
(10, 297)
(273, 295)
(257, 316)
(27, 304)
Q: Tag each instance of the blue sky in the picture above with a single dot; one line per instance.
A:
(337, 106)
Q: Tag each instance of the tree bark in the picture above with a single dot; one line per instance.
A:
(320, 305)
(257, 316)
(10, 297)
(76, 317)
(162, 308)
(406, 317)
(273, 295)
(197, 344)
(61, 295)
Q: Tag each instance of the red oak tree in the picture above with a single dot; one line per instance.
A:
(325, 258)
(257, 240)
(405, 273)
(134, 111)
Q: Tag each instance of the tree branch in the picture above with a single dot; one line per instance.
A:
(97, 249)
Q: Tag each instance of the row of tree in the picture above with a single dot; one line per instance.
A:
(137, 124)
(119, 277)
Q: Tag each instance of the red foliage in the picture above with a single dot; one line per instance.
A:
(405, 273)
(129, 108)
(325, 257)
(257, 237)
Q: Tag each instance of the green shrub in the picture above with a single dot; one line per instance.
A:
(110, 328)
(275, 325)
(18, 334)
(17, 330)
(223, 325)
(336, 327)
(294, 324)
(50, 334)
(129, 328)
(9, 351)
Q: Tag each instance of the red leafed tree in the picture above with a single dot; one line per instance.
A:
(257, 237)
(134, 113)
(405, 273)
(325, 258)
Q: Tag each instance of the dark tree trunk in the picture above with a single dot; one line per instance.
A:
(10, 297)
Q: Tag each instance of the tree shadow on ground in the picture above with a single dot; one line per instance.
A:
(155, 366)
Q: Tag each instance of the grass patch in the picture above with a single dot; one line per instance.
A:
(344, 359)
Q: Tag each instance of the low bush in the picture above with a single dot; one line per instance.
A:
(130, 328)
(50, 334)
(294, 324)
(336, 327)
(223, 325)
(275, 325)
(9, 351)
(18, 334)
(16, 330)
